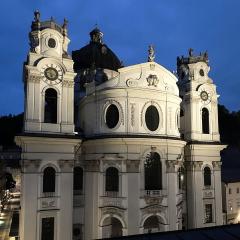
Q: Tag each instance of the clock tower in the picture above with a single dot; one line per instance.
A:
(199, 127)
(48, 141)
(48, 79)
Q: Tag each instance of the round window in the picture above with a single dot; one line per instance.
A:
(152, 118)
(52, 43)
(112, 116)
(201, 72)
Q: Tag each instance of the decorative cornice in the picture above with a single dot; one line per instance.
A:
(217, 165)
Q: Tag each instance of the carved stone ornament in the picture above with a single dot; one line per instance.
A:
(152, 80)
(133, 166)
(113, 211)
(132, 82)
(34, 78)
(92, 165)
(69, 84)
(48, 203)
(216, 165)
(154, 209)
(132, 114)
(31, 165)
(208, 194)
(153, 200)
(112, 202)
(171, 165)
(196, 165)
(66, 165)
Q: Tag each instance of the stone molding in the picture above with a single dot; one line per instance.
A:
(196, 165)
(171, 165)
(31, 165)
(66, 165)
(92, 165)
(217, 165)
(133, 166)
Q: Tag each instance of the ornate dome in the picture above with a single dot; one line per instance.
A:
(95, 54)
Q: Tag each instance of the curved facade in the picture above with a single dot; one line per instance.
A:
(143, 154)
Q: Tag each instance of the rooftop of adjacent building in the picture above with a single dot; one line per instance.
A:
(225, 232)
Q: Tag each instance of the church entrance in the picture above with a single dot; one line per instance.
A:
(112, 227)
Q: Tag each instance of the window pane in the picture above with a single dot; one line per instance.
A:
(78, 178)
(208, 213)
(112, 116)
(49, 180)
(152, 118)
(112, 179)
(50, 111)
(205, 121)
(47, 228)
(153, 172)
(207, 176)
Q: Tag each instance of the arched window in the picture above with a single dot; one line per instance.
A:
(49, 179)
(50, 108)
(205, 121)
(207, 176)
(180, 178)
(153, 172)
(112, 227)
(151, 225)
(112, 180)
(78, 180)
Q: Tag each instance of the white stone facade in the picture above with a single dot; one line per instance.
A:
(182, 152)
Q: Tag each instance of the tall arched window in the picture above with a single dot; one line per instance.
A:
(112, 180)
(49, 179)
(50, 108)
(153, 172)
(207, 176)
(205, 121)
(78, 180)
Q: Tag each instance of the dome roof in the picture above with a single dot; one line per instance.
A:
(96, 54)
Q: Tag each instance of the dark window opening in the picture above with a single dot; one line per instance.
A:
(205, 121)
(180, 178)
(151, 225)
(50, 109)
(207, 176)
(201, 72)
(208, 213)
(152, 118)
(78, 180)
(49, 180)
(112, 116)
(181, 113)
(112, 180)
(51, 43)
(153, 172)
(48, 228)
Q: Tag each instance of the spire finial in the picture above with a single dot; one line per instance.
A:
(64, 26)
(96, 35)
(37, 16)
(190, 52)
(151, 53)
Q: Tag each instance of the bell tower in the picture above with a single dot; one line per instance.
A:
(48, 79)
(199, 127)
(199, 109)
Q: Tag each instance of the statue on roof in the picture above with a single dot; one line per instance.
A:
(190, 52)
(37, 16)
(151, 54)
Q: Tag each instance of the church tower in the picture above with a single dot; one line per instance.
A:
(48, 79)
(199, 127)
(48, 141)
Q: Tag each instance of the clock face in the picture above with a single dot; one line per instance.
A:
(204, 95)
(51, 73)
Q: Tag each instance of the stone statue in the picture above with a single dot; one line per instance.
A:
(151, 54)
(37, 16)
(190, 52)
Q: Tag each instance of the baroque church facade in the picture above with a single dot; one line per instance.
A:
(109, 150)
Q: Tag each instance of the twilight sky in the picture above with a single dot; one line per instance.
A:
(129, 26)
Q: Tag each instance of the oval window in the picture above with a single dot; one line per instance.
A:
(152, 118)
(52, 43)
(201, 72)
(112, 116)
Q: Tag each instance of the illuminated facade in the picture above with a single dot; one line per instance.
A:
(141, 155)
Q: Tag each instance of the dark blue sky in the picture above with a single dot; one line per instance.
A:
(129, 26)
